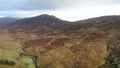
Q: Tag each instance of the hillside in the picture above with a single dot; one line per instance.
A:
(49, 42)
(8, 19)
(41, 24)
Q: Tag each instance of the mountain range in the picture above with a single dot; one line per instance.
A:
(90, 43)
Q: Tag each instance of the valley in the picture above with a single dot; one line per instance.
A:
(48, 42)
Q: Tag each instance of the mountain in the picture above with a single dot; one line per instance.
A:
(8, 19)
(49, 42)
(39, 24)
(108, 21)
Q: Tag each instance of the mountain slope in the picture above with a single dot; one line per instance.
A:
(39, 24)
(104, 21)
(91, 43)
(8, 19)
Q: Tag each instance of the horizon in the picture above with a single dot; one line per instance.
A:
(56, 17)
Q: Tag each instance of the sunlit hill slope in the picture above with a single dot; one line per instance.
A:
(49, 42)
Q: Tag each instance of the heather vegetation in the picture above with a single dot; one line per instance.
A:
(6, 62)
(48, 42)
(114, 52)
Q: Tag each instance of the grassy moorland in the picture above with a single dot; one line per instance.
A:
(92, 43)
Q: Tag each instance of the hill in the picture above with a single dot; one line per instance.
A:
(8, 19)
(91, 43)
(39, 24)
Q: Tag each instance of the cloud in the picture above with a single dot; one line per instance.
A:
(25, 5)
(71, 10)
(74, 14)
(50, 4)
(71, 14)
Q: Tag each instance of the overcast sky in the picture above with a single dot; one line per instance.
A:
(71, 10)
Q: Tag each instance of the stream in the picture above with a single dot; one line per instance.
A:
(28, 59)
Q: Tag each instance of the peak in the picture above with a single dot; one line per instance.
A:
(46, 16)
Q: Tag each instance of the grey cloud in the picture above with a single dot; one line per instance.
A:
(49, 4)
(25, 5)
(80, 3)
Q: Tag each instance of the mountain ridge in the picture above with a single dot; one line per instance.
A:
(8, 19)
(91, 43)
